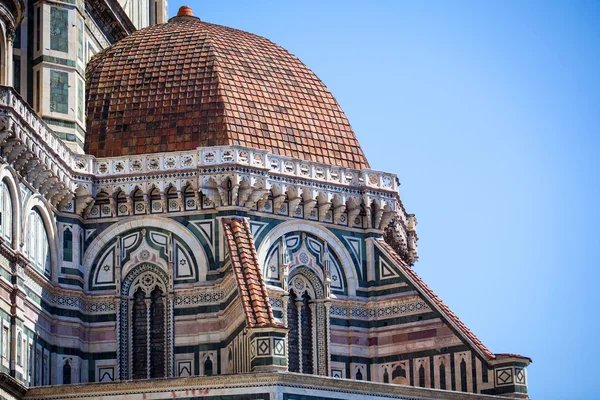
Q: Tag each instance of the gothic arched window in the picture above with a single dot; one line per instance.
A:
(359, 375)
(399, 376)
(38, 245)
(6, 213)
(302, 313)
(67, 245)
(421, 376)
(67, 373)
(143, 316)
(442, 376)
(208, 367)
(463, 375)
(386, 376)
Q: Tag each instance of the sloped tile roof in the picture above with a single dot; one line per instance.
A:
(189, 84)
(437, 302)
(248, 275)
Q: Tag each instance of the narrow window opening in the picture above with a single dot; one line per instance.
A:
(208, 367)
(140, 336)
(67, 373)
(463, 376)
(68, 245)
(293, 345)
(421, 376)
(359, 375)
(442, 376)
(307, 333)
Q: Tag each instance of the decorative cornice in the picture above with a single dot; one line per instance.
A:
(12, 386)
(115, 22)
(203, 385)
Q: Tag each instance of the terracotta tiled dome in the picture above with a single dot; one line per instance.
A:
(189, 84)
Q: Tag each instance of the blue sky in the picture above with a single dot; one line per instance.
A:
(489, 114)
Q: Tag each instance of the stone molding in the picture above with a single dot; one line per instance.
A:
(252, 380)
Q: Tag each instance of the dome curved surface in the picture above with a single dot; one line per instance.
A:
(189, 84)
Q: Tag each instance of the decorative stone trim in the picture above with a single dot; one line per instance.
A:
(285, 381)
(378, 310)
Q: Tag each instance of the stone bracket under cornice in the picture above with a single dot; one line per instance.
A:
(34, 151)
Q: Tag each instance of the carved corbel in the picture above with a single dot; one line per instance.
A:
(15, 153)
(23, 161)
(294, 203)
(82, 203)
(309, 205)
(31, 168)
(88, 208)
(353, 213)
(244, 195)
(387, 218)
(66, 199)
(10, 144)
(39, 179)
(277, 202)
(323, 209)
(337, 212)
(47, 184)
(255, 196)
(5, 133)
(260, 204)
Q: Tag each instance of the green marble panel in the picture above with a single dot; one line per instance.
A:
(59, 29)
(59, 92)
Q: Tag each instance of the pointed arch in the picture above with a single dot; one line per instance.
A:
(322, 233)
(146, 221)
(463, 375)
(36, 205)
(7, 175)
(442, 376)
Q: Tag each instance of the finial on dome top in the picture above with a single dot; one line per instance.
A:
(185, 13)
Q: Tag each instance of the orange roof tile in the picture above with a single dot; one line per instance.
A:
(189, 84)
(244, 262)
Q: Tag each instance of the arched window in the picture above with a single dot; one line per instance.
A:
(38, 246)
(302, 335)
(208, 367)
(359, 375)
(399, 376)
(6, 213)
(143, 339)
(68, 245)
(463, 375)
(442, 376)
(386, 376)
(421, 376)
(67, 372)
